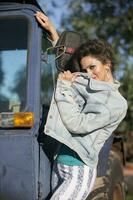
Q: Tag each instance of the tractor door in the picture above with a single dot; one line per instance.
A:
(24, 167)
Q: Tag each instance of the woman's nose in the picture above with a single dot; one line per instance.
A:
(89, 72)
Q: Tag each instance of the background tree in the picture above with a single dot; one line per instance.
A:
(3, 99)
(20, 85)
(1, 72)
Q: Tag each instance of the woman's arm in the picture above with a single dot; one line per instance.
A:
(47, 24)
(73, 119)
(97, 117)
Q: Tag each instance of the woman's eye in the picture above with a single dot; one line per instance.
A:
(92, 66)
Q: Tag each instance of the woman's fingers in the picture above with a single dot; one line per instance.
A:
(40, 20)
(47, 24)
(41, 15)
(43, 20)
(61, 76)
(67, 75)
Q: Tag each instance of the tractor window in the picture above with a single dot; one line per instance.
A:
(13, 63)
(48, 76)
(48, 72)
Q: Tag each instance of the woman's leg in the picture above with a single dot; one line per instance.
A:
(56, 179)
(74, 182)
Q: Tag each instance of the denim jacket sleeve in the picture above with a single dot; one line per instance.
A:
(74, 120)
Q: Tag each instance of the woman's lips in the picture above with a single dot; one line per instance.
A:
(94, 77)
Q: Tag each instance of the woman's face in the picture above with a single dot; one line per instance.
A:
(95, 68)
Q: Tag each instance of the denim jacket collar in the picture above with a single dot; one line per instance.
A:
(84, 79)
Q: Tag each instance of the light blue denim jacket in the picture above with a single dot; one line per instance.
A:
(84, 114)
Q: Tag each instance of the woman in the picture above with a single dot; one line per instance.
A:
(87, 107)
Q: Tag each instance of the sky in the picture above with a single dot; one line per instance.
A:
(12, 61)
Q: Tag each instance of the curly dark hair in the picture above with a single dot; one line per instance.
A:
(96, 48)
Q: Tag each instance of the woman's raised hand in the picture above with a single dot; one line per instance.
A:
(47, 24)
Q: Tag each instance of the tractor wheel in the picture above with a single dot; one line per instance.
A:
(111, 186)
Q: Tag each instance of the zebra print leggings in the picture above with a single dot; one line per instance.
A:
(72, 182)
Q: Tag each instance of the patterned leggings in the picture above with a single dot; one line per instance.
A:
(72, 182)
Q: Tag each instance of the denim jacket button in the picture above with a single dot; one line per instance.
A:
(47, 131)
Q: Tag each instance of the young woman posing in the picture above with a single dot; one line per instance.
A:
(87, 107)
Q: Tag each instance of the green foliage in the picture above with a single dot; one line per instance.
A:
(110, 20)
(129, 197)
(20, 84)
(127, 91)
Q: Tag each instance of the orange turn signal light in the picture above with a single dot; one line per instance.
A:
(23, 119)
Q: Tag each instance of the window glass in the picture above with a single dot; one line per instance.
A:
(48, 72)
(13, 63)
(48, 77)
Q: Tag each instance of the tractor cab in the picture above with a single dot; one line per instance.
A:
(26, 87)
